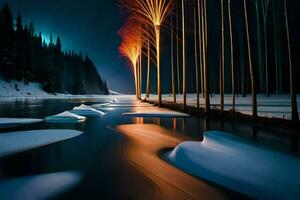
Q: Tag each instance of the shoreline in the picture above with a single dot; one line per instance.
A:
(283, 125)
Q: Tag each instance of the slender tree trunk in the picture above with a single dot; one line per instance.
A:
(183, 55)
(172, 61)
(233, 70)
(222, 65)
(200, 46)
(148, 69)
(265, 19)
(294, 106)
(204, 50)
(177, 49)
(141, 75)
(196, 59)
(259, 48)
(157, 38)
(277, 47)
(136, 81)
(252, 72)
(242, 64)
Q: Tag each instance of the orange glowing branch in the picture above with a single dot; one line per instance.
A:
(153, 12)
(131, 47)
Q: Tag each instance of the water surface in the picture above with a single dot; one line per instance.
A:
(101, 151)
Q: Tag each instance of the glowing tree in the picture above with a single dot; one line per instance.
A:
(154, 12)
(131, 47)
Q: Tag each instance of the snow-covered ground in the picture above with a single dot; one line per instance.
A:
(277, 106)
(15, 142)
(19, 89)
(12, 122)
(239, 165)
(39, 187)
(15, 89)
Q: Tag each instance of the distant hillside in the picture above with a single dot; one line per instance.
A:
(24, 56)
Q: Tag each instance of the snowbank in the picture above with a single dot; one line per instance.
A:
(12, 122)
(86, 111)
(15, 142)
(240, 166)
(17, 89)
(39, 187)
(65, 117)
(278, 106)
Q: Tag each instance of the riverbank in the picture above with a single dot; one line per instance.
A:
(276, 124)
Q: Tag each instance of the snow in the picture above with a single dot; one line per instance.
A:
(277, 106)
(114, 92)
(85, 110)
(35, 90)
(12, 122)
(65, 117)
(16, 142)
(10, 90)
(239, 165)
(39, 187)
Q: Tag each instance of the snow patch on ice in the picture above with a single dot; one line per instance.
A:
(16, 142)
(85, 110)
(239, 165)
(39, 187)
(12, 122)
(65, 117)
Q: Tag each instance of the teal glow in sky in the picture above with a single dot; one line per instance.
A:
(89, 27)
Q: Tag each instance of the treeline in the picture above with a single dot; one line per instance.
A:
(25, 56)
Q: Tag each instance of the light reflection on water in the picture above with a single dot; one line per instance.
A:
(100, 151)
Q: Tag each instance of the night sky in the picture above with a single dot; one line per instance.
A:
(89, 26)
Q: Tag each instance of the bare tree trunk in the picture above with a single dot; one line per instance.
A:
(277, 47)
(252, 73)
(157, 38)
(148, 69)
(204, 50)
(177, 49)
(222, 65)
(172, 61)
(138, 79)
(259, 48)
(233, 71)
(141, 74)
(196, 58)
(183, 55)
(200, 45)
(265, 7)
(242, 64)
(295, 115)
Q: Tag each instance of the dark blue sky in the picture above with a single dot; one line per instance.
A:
(89, 26)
